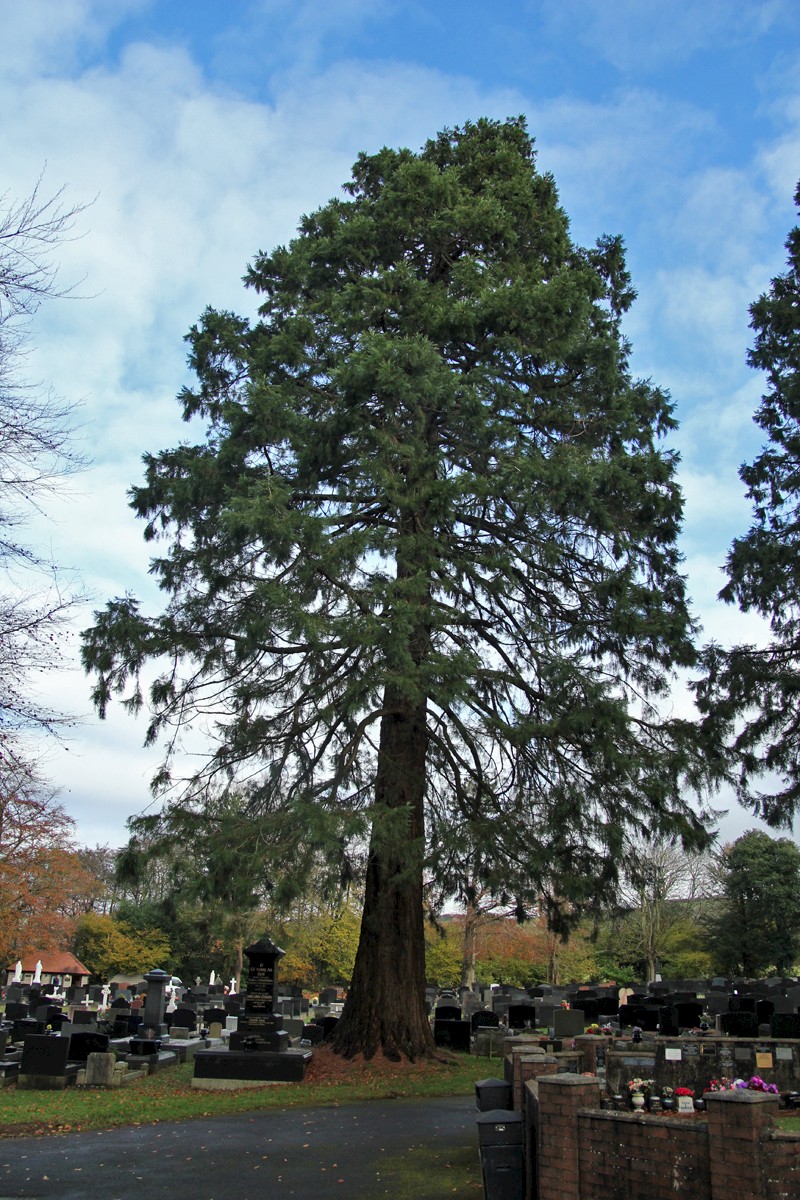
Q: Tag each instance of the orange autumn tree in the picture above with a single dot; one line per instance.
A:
(43, 882)
(526, 953)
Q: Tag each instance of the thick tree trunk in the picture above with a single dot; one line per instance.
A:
(552, 960)
(385, 1008)
(469, 946)
(239, 963)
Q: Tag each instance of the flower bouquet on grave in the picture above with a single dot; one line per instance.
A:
(594, 1028)
(723, 1084)
(756, 1084)
(639, 1090)
(684, 1098)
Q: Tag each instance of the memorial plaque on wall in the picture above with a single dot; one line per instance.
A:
(691, 1050)
(783, 1053)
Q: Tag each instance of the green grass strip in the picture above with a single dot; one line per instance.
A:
(169, 1096)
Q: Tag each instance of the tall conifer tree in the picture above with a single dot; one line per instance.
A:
(749, 694)
(426, 553)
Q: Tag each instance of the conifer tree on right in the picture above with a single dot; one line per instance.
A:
(750, 695)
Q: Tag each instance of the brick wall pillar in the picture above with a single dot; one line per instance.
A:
(588, 1046)
(560, 1098)
(737, 1123)
(529, 1066)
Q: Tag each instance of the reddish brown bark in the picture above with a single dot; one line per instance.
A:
(385, 1008)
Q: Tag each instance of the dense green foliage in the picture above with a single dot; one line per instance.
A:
(758, 929)
(426, 553)
(212, 874)
(750, 693)
(109, 946)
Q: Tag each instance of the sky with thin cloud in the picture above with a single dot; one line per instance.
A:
(199, 133)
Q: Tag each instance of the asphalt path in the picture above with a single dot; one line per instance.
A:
(354, 1152)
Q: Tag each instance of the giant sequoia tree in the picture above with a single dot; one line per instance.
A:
(426, 552)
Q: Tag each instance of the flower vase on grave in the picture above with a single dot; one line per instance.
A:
(637, 1101)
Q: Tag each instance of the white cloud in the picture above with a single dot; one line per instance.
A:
(192, 177)
(642, 34)
(65, 32)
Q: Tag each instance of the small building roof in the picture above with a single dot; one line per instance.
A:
(54, 962)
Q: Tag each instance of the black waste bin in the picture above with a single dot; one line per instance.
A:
(500, 1141)
(493, 1093)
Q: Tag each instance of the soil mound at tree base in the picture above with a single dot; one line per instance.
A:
(328, 1067)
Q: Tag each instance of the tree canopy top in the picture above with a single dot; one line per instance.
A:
(430, 494)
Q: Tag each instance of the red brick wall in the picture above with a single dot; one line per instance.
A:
(560, 1099)
(577, 1152)
(737, 1125)
(656, 1158)
(782, 1166)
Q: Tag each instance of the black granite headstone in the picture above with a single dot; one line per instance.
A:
(44, 1054)
(450, 1012)
(87, 1042)
(260, 1028)
(184, 1018)
(484, 1019)
(84, 1016)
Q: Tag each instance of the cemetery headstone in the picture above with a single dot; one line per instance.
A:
(259, 1049)
(522, 1016)
(100, 1069)
(21, 1030)
(259, 1026)
(447, 1012)
(568, 1022)
(484, 1019)
(86, 1042)
(155, 1003)
(184, 1018)
(44, 1063)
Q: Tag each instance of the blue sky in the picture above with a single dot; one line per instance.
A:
(202, 131)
